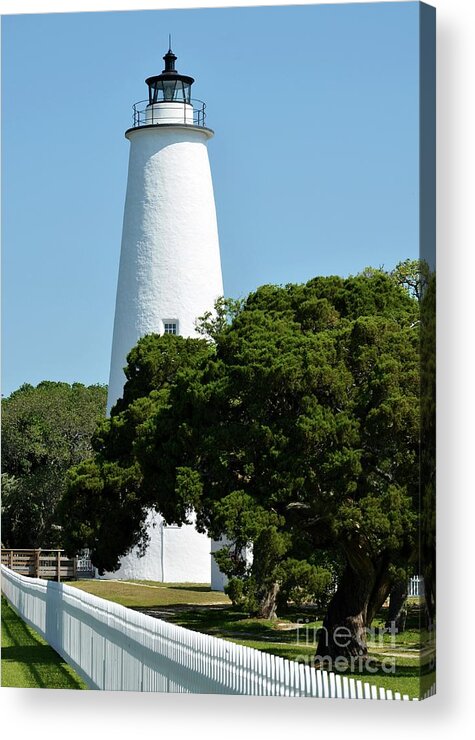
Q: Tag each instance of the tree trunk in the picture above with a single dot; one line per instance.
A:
(361, 591)
(380, 591)
(429, 593)
(268, 603)
(397, 612)
(343, 630)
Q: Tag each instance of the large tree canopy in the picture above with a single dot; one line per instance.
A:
(308, 412)
(294, 432)
(105, 505)
(45, 430)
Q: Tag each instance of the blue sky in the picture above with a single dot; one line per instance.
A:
(314, 160)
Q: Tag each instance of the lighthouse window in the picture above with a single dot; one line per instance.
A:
(170, 90)
(170, 327)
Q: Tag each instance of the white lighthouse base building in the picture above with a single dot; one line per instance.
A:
(174, 555)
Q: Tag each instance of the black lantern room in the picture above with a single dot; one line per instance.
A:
(170, 86)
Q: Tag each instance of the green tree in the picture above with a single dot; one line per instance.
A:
(295, 432)
(309, 406)
(271, 577)
(45, 430)
(412, 275)
(427, 566)
(416, 277)
(105, 503)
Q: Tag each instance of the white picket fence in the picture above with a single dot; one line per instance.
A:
(415, 586)
(115, 648)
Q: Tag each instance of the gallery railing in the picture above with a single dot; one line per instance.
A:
(149, 115)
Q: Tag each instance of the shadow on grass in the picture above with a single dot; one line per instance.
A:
(33, 662)
(198, 589)
(185, 611)
(225, 621)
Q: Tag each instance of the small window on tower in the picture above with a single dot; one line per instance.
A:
(170, 327)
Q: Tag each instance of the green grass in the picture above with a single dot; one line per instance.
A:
(145, 594)
(28, 661)
(292, 636)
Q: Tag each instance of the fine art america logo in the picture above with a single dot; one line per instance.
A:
(310, 635)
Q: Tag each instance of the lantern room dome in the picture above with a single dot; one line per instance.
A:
(169, 86)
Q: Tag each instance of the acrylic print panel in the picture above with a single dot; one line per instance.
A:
(251, 510)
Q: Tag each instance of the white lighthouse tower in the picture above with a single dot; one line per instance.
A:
(169, 273)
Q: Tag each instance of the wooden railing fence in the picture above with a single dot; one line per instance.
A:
(47, 564)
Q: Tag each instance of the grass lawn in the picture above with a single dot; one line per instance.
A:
(144, 594)
(28, 661)
(292, 636)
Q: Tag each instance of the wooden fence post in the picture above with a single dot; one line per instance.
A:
(37, 562)
(11, 559)
(58, 566)
(75, 568)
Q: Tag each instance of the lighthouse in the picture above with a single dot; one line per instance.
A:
(169, 272)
